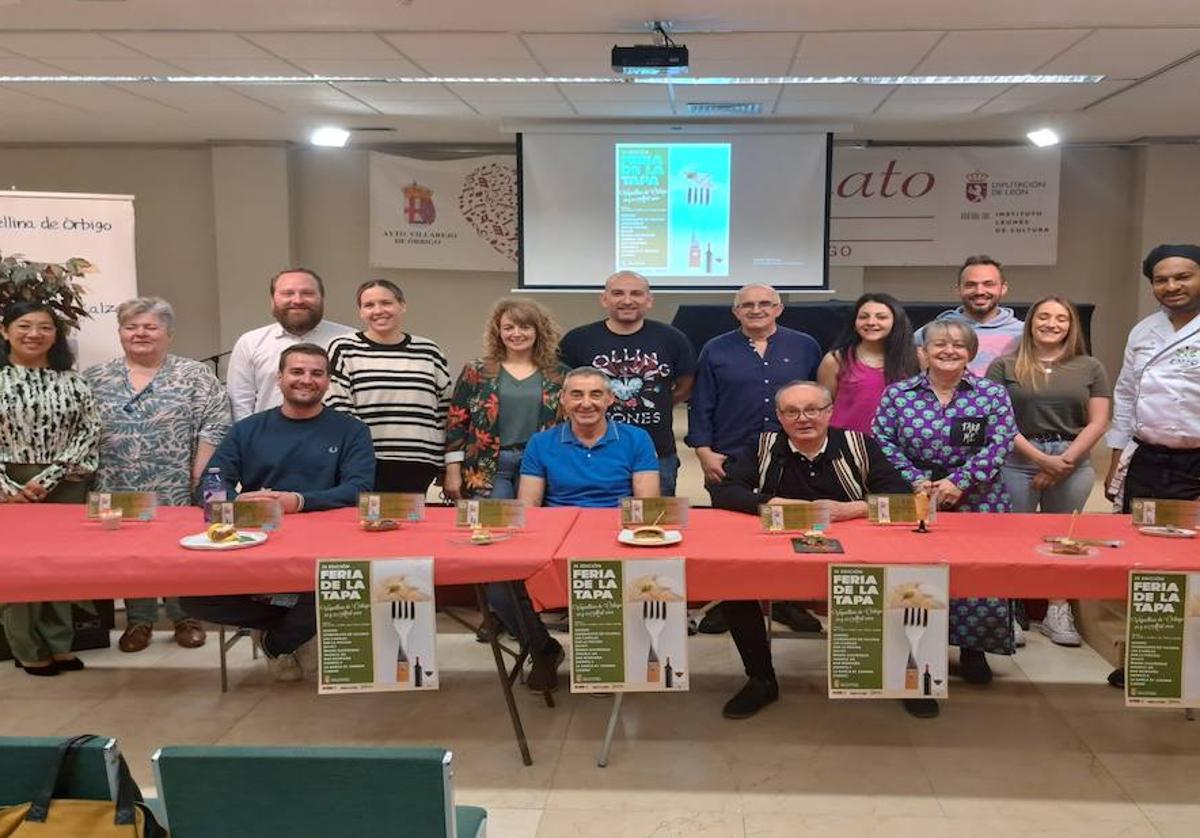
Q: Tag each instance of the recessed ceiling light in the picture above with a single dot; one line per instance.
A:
(330, 135)
(1043, 137)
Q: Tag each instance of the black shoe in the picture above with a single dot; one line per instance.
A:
(543, 674)
(795, 617)
(714, 621)
(921, 708)
(973, 666)
(39, 671)
(1116, 678)
(69, 665)
(757, 694)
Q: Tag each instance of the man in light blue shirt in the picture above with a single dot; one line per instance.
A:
(588, 460)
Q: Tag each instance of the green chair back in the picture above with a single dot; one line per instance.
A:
(25, 761)
(265, 792)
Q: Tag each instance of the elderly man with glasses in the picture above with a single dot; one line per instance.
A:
(808, 462)
(736, 376)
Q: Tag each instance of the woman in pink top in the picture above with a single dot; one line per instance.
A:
(875, 350)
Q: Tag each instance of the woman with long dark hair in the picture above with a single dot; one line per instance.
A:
(874, 350)
(49, 435)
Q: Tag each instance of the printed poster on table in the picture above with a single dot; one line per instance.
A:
(889, 631)
(1162, 645)
(375, 625)
(57, 226)
(930, 206)
(628, 625)
(451, 215)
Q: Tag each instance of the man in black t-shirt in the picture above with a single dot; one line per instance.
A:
(651, 364)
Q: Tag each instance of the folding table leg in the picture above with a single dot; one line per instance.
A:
(602, 758)
(492, 631)
(514, 596)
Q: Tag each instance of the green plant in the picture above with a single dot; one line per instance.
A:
(45, 282)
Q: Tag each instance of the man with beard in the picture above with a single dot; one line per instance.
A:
(1155, 430)
(650, 363)
(298, 304)
(307, 458)
(981, 287)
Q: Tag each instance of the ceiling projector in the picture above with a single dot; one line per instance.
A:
(650, 60)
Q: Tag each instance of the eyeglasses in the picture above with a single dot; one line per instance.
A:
(794, 413)
(761, 305)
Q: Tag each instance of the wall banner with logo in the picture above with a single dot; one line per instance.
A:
(935, 206)
(56, 226)
(454, 215)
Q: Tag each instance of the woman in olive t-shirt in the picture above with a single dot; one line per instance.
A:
(1060, 397)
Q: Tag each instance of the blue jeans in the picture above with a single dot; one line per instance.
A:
(145, 611)
(1067, 495)
(668, 471)
(509, 600)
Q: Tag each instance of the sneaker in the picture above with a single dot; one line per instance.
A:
(1059, 624)
(307, 657)
(757, 694)
(714, 621)
(543, 673)
(796, 617)
(973, 666)
(1018, 635)
(285, 667)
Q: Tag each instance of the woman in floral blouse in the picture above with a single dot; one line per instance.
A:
(948, 431)
(163, 416)
(502, 399)
(499, 402)
(48, 435)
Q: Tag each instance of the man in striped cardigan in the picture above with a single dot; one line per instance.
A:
(808, 462)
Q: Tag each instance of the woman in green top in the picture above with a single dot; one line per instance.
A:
(501, 400)
(1060, 397)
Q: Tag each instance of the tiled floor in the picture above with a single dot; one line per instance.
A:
(1047, 749)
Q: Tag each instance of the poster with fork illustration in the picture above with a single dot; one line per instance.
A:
(375, 625)
(889, 631)
(628, 625)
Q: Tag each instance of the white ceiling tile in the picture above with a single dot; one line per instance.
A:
(1050, 97)
(727, 93)
(577, 55)
(136, 65)
(237, 66)
(947, 92)
(854, 94)
(100, 99)
(303, 97)
(824, 107)
(475, 93)
(170, 46)
(930, 107)
(997, 51)
(737, 45)
(51, 45)
(524, 109)
(862, 53)
(381, 92)
(442, 46)
(1126, 53)
(740, 67)
(623, 109)
(293, 45)
(204, 101)
(481, 67)
(389, 67)
(645, 93)
(17, 66)
(453, 107)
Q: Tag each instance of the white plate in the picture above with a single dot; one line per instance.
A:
(669, 537)
(200, 541)
(1168, 532)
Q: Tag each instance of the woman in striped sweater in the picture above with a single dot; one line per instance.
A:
(398, 384)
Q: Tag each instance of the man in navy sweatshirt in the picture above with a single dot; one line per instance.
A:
(307, 458)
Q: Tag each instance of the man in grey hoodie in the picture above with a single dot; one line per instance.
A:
(981, 286)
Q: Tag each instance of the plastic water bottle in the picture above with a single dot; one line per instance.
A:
(212, 488)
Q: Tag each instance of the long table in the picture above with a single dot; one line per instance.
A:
(51, 552)
(729, 557)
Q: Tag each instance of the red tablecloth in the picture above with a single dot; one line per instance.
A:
(728, 557)
(50, 552)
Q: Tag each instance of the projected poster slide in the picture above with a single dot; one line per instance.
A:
(673, 208)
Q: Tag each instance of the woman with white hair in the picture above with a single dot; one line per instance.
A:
(162, 416)
(948, 432)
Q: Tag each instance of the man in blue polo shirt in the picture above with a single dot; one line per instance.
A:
(588, 460)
